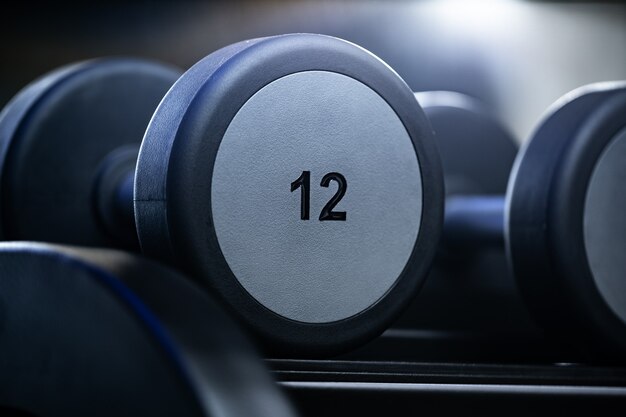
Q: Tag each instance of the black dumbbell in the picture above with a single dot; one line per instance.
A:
(295, 176)
(470, 308)
(102, 333)
(563, 220)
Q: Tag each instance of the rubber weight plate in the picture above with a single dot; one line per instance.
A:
(572, 272)
(54, 137)
(104, 333)
(298, 176)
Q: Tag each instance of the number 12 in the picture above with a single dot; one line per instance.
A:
(304, 183)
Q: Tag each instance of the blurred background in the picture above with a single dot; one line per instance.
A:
(516, 56)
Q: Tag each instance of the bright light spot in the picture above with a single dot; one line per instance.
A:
(476, 17)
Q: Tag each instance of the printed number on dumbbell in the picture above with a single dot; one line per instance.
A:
(304, 183)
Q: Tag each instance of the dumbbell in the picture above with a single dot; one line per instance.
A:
(103, 332)
(563, 219)
(470, 308)
(295, 176)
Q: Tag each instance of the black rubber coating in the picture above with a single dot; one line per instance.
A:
(545, 218)
(87, 332)
(173, 187)
(54, 136)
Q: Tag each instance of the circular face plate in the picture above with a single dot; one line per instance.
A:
(268, 175)
(605, 224)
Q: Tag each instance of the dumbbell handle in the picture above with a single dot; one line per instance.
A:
(114, 190)
(473, 221)
(123, 200)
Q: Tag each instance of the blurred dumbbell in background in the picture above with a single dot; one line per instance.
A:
(547, 253)
(470, 307)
